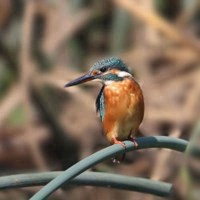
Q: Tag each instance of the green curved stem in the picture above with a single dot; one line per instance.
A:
(78, 168)
(90, 178)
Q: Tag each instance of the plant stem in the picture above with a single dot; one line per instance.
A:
(81, 166)
(90, 178)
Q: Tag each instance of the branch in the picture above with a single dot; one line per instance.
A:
(81, 166)
(90, 178)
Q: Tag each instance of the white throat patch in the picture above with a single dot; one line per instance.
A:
(108, 82)
(123, 74)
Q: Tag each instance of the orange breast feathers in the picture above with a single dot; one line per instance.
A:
(124, 109)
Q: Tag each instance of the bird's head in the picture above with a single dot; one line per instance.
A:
(106, 71)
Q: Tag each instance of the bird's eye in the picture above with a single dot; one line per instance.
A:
(103, 69)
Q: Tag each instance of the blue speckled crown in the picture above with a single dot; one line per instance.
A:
(112, 63)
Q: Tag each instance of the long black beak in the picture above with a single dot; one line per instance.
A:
(79, 80)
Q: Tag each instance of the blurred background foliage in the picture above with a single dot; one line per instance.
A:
(44, 44)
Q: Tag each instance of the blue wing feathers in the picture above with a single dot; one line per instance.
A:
(100, 104)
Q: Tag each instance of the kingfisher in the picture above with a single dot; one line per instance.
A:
(119, 103)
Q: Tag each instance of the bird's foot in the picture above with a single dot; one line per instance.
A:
(115, 141)
(132, 139)
(116, 160)
(119, 158)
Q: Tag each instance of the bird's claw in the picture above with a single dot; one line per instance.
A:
(115, 141)
(115, 160)
(132, 139)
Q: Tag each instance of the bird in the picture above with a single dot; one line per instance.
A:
(120, 102)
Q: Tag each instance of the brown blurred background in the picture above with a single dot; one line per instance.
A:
(44, 44)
